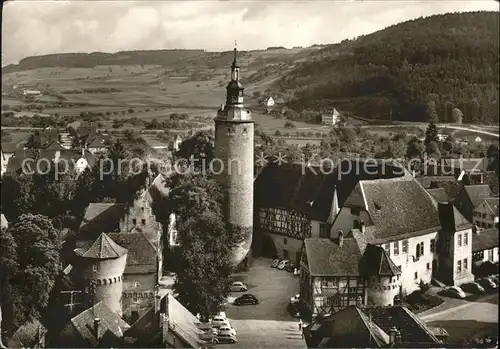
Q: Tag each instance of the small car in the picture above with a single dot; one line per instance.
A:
(283, 264)
(473, 287)
(455, 291)
(209, 335)
(227, 329)
(290, 268)
(246, 299)
(238, 286)
(275, 263)
(225, 338)
(295, 299)
(487, 283)
(218, 321)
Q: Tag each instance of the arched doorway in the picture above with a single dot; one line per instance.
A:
(268, 247)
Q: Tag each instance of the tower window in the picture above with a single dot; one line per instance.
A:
(95, 268)
(143, 221)
(134, 221)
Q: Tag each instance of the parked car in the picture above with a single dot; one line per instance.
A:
(275, 263)
(473, 287)
(494, 278)
(227, 329)
(455, 291)
(209, 335)
(238, 286)
(225, 338)
(283, 264)
(487, 283)
(219, 321)
(290, 268)
(247, 298)
(295, 299)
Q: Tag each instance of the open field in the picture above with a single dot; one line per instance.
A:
(461, 331)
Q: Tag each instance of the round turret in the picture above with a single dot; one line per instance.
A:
(102, 264)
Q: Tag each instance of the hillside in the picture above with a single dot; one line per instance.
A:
(450, 59)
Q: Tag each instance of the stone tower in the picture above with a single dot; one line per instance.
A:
(103, 263)
(233, 163)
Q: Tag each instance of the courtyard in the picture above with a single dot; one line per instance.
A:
(267, 324)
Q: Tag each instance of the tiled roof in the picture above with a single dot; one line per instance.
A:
(182, 322)
(4, 222)
(145, 329)
(439, 194)
(412, 330)
(327, 258)
(102, 217)
(142, 254)
(376, 262)
(397, 206)
(477, 193)
(493, 204)
(491, 178)
(28, 335)
(84, 323)
(435, 181)
(102, 248)
(54, 145)
(451, 219)
(98, 141)
(485, 240)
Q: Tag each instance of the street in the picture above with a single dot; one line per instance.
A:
(267, 324)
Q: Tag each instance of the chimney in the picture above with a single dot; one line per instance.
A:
(341, 238)
(362, 226)
(96, 327)
(83, 152)
(392, 335)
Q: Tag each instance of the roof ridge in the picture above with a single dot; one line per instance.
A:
(362, 316)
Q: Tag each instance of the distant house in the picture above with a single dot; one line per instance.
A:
(485, 246)
(269, 102)
(30, 335)
(331, 117)
(485, 215)
(4, 222)
(469, 171)
(478, 139)
(32, 93)
(470, 197)
(176, 143)
(374, 327)
(7, 151)
(96, 327)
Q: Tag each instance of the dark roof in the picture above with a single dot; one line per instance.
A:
(491, 178)
(327, 258)
(477, 193)
(376, 262)
(102, 248)
(484, 240)
(102, 217)
(98, 141)
(451, 219)
(145, 329)
(396, 207)
(493, 204)
(142, 254)
(439, 194)
(84, 323)
(28, 335)
(435, 181)
(412, 330)
(472, 164)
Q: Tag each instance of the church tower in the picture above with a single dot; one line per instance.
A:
(233, 163)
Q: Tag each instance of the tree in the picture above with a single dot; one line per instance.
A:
(431, 134)
(397, 149)
(199, 147)
(430, 110)
(26, 291)
(289, 124)
(457, 116)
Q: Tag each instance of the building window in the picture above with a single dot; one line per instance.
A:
(323, 231)
(421, 248)
(352, 289)
(459, 239)
(405, 246)
(135, 299)
(396, 247)
(285, 241)
(428, 266)
(134, 221)
(324, 282)
(466, 264)
(466, 239)
(143, 221)
(459, 266)
(490, 255)
(95, 267)
(416, 276)
(433, 245)
(387, 247)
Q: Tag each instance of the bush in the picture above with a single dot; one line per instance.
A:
(130, 111)
(424, 287)
(289, 124)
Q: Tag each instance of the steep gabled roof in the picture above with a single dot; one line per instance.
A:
(451, 219)
(327, 258)
(142, 253)
(102, 248)
(102, 217)
(492, 204)
(28, 335)
(84, 323)
(376, 262)
(485, 240)
(476, 193)
(55, 145)
(439, 194)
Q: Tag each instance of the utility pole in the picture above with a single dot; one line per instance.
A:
(71, 304)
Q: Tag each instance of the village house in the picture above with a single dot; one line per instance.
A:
(32, 93)
(4, 222)
(469, 197)
(7, 151)
(30, 335)
(485, 246)
(485, 215)
(269, 102)
(372, 327)
(469, 170)
(331, 117)
(293, 203)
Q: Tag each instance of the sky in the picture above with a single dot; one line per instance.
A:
(32, 28)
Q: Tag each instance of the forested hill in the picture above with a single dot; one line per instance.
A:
(90, 60)
(451, 59)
